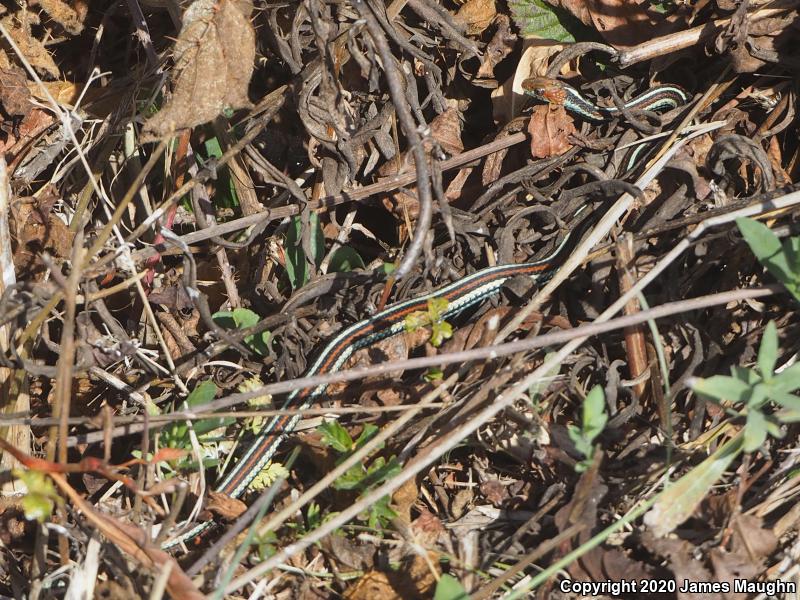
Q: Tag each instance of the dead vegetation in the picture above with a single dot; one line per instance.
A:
(197, 198)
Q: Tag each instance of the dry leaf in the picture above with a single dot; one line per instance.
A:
(476, 15)
(71, 19)
(214, 58)
(446, 130)
(550, 128)
(225, 506)
(38, 230)
(373, 584)
(501, 45)
(32, 49)
(14, 94)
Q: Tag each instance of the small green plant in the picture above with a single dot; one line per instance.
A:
(41, 497)
(781, 259)
(363, 477)
(434, 374)
(242, 318)
(225, 195)
(296, 267)
(345, 259)
(755, 389)
(265, 544)
(441, 330)
(176, 434)
(593, 420)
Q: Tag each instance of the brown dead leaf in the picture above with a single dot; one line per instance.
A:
(349, 553)
(71, 19)
(214, 59)
(682, 563)
(14, 94)
(476, 15)
(404, 498)
(427, 528)
(387, 350)
(38, 230)
(751, 545)
(373, 584)
(495, 492)
(622, 23)
(446, 130)
(550, 128)
(18, 140)
(501, 45)
(225, 506)
(13, 524)
(34, 51)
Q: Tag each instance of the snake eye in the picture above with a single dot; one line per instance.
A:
(533, 87)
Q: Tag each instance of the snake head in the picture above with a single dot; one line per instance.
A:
(545, 89)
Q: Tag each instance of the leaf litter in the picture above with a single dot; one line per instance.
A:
(253, 159)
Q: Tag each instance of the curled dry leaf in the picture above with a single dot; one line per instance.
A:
(550, 128)
(32, 49)
(38, 229)
(476, 15)
(225, 506)
(214, 58)
(69, 17)
(14, 94)
(373, 584)
(501, 45)
(446, 130)
(622, 23)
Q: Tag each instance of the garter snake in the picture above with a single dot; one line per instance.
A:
(461, 294)
(553, 91)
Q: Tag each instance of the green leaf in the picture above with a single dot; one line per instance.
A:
(381, 471)
(224, 191)
(380, 514)
(345, 259)
(722, 387)
(755, 431)
(449, 588)
(773, 427)
(440, 331)
(242, 318)
(771, 253)
(537, 19)
(768, 351)
(269, 474)
(789, 401)
(791, 248)
(437, 307)
(787, 380)
(749, 376)
(296, 267)
(367, 434)
(388, 268)
(594, 413)
(313, 516)
(203, 393)
(335, 436)
(582, 445)
(41, 495)
(433, 374)
(679, 501)
(415, 320)
(350, 479)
